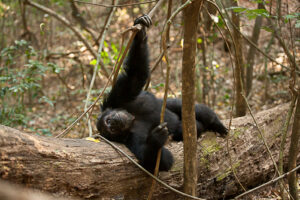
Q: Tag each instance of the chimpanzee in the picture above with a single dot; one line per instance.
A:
(132, 116)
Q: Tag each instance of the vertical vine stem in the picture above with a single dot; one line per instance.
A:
(165, 39)
(135, 29)
(147, 172)
(262, 136)
(264, 141)
(115, 2)
(232, 100)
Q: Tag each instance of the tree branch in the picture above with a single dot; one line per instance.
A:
(68, 24)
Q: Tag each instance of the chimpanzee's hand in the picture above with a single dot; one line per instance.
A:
(158, 135)
(144, 20)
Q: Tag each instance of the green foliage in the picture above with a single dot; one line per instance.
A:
(293, 16)
(278, 78)
(42, 28)
(199, 40)
(58, 2)
(226, 97)
(105, 57)
(260, 1)
(54, 67)
(41, 131)
(45, 99)
(250, 13)
(20, 83)
(253, 13)
(93, 62)
(158, 86)
(266, 28)
(212, 37)
(67, 119)
(108, 57)
(115, 50)
(220, 22)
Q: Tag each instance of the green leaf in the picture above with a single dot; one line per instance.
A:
(253, 13)
(105, 57)
(55, 68)
(42, 28)
(93, 62)
(158, 86)
(46, 100)
(4, 78)
(290, 17)
(237, 9)
(297, 25)
(258, 1)
(267, 29)
(114, 48)
(105, 44)
(220, 23)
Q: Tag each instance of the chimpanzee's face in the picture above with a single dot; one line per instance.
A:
(114, 122)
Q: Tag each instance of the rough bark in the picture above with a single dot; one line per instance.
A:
(252, 51)
(12, 192)
(240, 105)
(190, 20)
(294, 152)
(81, 168)
(205, 29)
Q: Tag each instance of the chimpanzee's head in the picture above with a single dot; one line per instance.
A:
(114, 124)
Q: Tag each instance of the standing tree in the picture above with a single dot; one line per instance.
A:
(190, 19)
(240, 106)
(252, 51)
(294, 151)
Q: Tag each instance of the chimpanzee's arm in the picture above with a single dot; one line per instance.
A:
(145, 146)
(130, 83)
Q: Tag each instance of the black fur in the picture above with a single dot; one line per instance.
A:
(146, 136)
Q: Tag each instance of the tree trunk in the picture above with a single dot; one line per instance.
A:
(240, 104)
(252, 51)
(294, 152)
(205, 85)
(190, 20)
(81, 168)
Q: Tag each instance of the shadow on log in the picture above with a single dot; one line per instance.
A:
(85, 169)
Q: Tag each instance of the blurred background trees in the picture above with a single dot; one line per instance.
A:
(47, 66)
(247, 53)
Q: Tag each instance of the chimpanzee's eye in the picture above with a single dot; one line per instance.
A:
(108, 121)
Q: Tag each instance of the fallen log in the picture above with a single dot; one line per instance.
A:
(10, 191)
(81, 168)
